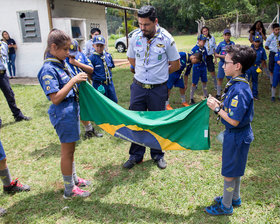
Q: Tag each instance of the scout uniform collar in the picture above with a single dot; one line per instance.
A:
(63, 65)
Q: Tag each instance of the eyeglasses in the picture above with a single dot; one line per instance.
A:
(228, 62)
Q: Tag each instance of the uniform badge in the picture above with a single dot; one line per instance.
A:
(159, 57)
(234, 103)
(173, 42)
(231, 113)
(161, 45)
(138, 43)
(47, 77)
(48, 88)
(47, 82)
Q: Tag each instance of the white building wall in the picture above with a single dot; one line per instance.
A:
(92, 13)
(29, 55)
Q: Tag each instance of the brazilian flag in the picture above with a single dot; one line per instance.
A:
(180, 129)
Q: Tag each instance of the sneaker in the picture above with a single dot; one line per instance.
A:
(16, 186)
(130, 163)
(82, 182)
(161, 163)
(2, 211)
(185, 104)
(18, 119)
(235, 203)
(218, 97)
(192, 102)
(273, 99)
(92, 133)
(76, 192)
(168, 107)
(218, 209)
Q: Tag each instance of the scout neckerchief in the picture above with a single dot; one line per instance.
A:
(228, 85)
(65, 68)
(149, 42)
(107, 73)
(188, 63)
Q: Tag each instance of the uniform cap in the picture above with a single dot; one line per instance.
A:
(99, 39)
(257, 38)
(227, 31)
(73, 48)
(202, 37)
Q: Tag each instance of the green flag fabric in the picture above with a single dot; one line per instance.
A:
(179, 129)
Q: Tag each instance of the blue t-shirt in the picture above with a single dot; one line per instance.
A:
(98, 66)
(11, 49)
(80, 57)
(221, 49)
(239, 103)
(261, 55)
(54, 75)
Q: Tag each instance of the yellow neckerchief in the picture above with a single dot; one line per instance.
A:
(64, 65)
(149, 42)
(107, 73)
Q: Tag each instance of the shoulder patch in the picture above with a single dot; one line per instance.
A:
(234, 103)
(47, 77)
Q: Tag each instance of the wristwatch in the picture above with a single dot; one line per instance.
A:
(217, 110)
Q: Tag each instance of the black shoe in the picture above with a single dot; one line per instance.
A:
(2, 211)
(130, 163)
(23, 118)
(15, 186)
(273, 99)
(161, 163)
(192, 102)
(92, 133)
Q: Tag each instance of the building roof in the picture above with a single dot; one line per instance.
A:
(107, 4)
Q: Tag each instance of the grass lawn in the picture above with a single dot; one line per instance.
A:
(144, 194)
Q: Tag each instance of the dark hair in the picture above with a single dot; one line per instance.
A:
(198, 56)
(57, 37)
(7, 33)
(95, 29)
(242, 54)
(205, 27)
(148, 11)
(253, 28)
(275, 25)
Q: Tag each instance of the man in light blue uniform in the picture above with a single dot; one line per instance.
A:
(6, 87)
(153, 54)
(89, 49)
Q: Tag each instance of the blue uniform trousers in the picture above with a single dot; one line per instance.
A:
(252, 73)
(142, 100)
(9, 95)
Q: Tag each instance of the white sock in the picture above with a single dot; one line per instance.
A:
(88, 127)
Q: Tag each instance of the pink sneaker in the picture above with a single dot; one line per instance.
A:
(82, 182)
(76, 192)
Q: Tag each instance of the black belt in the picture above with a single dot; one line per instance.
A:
(2, 72)
(147, 86)
(235, 130)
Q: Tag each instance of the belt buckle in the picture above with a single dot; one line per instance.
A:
(147, 86)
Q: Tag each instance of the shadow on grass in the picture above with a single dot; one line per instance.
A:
(111, 176)
(50, 205)
(8, 124)
(52, 149)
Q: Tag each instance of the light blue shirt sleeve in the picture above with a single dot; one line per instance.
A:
(171, 51)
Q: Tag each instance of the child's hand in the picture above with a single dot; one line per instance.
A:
(72, 60)
(80, 77)
(212, 102)
(278, 62)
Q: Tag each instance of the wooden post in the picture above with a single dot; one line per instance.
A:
(236, 27)
(126, 30)
(49, 14)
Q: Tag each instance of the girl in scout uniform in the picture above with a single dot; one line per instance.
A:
(61, 89)
(236, 110)
(210, 46)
